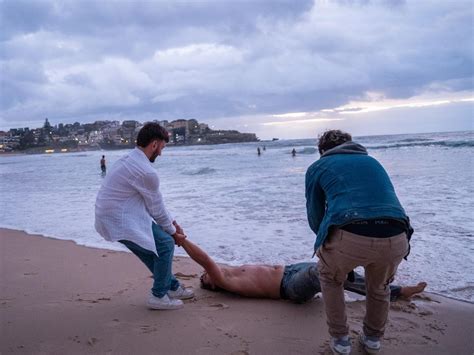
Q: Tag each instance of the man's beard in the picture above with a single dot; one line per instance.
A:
(153, 156)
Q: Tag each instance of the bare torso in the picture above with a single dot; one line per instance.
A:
(261, 281)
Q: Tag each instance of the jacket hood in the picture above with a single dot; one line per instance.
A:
(346, 148)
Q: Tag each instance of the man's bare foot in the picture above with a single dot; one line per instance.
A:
(409, 291)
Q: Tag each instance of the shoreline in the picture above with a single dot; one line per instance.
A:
(10, 229)
(61, 297)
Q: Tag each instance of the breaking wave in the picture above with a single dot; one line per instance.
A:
(447, 144)
(201, 171)
(307, 150)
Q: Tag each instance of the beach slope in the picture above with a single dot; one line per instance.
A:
(58, 297)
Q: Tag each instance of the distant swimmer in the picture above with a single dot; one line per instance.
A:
(103, 167)
(264, 148)
(293, 152)
(258, 151)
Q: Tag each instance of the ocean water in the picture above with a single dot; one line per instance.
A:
(244, 208)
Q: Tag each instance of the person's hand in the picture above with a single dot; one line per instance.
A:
(178, 227)
(179, 238)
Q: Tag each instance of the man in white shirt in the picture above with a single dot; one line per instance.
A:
(130, 209)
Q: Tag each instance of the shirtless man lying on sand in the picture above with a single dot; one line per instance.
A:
(297, 282)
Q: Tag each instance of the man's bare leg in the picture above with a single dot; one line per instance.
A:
(409, 291)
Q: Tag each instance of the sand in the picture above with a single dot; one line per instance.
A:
(60, 298)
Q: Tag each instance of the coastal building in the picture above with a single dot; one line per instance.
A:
(203, 128)
(111, 135)
(128, 131)
(2, 140)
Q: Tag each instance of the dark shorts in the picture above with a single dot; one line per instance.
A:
(300, 282)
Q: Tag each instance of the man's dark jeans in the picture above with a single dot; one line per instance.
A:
(160, 267)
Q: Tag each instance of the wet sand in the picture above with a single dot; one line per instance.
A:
(58, 297)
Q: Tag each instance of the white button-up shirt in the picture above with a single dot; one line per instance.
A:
(129, 200)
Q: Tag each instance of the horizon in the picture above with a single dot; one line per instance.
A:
(294, 138)
(287, 69)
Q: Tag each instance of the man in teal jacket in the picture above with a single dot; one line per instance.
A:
(359, 221)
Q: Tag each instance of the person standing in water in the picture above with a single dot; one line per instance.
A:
(103, 167)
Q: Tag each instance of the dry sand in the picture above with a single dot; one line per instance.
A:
(60, 298)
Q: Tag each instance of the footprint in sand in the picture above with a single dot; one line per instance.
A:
(75, 339)
(430, 339)
(436, 327)
(182, 276)
(217, 306)
(148, 329)
(406, 307)
(119, 292)
(5, 301)
(424, 297)
(93, 301)
(92, 341)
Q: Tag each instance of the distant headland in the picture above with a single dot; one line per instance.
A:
(110, 135)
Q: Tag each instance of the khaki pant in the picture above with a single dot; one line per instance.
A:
(341, 253)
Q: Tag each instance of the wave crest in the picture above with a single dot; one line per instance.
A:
(447, 144)
(200, 171)
(306, 150)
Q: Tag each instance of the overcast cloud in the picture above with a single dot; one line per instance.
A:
(270, 67)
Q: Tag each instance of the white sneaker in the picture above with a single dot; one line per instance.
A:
(181, 293)
(340, 346)
(371, 344)
(163, 302)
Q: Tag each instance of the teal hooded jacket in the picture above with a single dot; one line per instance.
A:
(347, 185)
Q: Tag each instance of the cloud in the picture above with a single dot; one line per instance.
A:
(212, 60)
(309, 120)
(383, 105)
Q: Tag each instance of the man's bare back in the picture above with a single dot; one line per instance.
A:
(261, 281)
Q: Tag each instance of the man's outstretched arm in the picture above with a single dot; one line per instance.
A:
(200, 256)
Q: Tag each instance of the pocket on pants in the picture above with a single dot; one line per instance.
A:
(404, 248)
(328, 267)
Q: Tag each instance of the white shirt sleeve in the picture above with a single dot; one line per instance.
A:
(148, 185)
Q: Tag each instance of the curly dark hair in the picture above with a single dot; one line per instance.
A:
(151, 131)
(207, 286)
(331, 139)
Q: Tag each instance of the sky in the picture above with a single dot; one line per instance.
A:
(286, 69)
